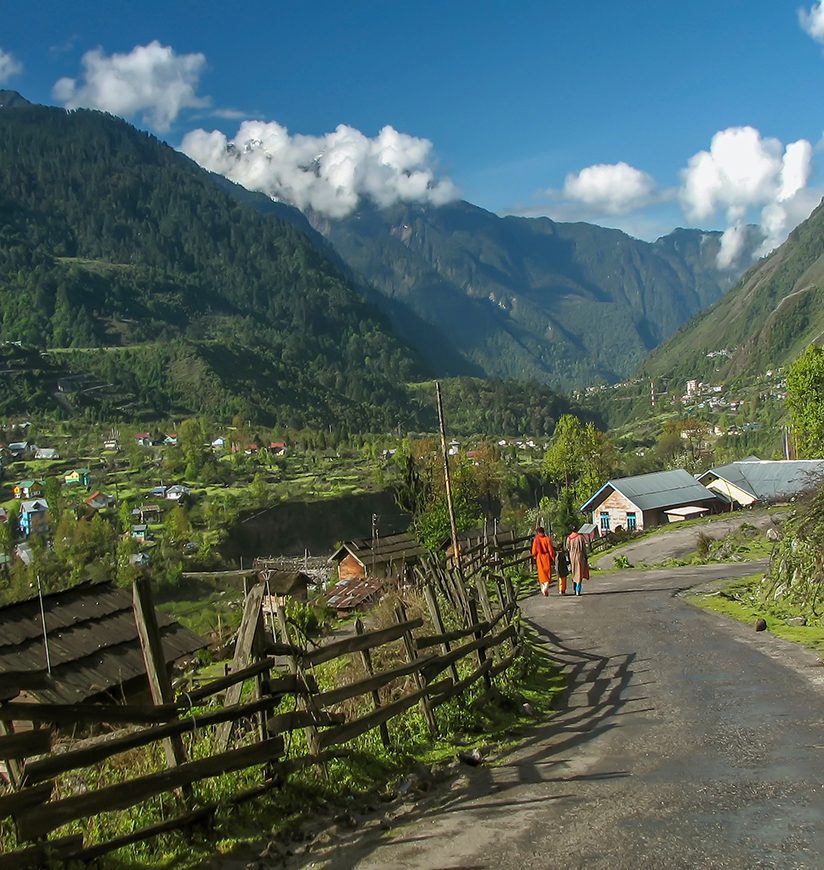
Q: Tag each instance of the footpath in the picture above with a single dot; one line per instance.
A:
(685, 740)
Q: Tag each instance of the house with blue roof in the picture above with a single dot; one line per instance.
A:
(647, 500)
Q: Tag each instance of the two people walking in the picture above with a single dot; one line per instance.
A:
(571, 556)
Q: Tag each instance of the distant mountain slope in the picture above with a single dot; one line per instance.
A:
(771, 315)
(110, 238)
(527, 297)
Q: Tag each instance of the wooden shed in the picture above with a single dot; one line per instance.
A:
(386, 557)
(94, 653)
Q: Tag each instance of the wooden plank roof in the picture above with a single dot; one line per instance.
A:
(93, 643)
(401, 548)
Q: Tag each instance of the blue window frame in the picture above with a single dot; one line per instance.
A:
(604, 521)
(631, 525)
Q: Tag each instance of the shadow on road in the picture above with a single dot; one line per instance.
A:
(594, 698)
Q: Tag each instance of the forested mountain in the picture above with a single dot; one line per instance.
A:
(527, 297)
(110, 239)
(765, 321)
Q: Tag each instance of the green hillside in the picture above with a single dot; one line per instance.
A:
(108, 238)
(527, 298)
(771, 315)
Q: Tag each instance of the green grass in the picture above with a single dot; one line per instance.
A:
(740, 600)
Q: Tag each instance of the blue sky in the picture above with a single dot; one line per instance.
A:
(515, 100)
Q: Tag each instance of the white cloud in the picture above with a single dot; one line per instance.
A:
(742, 172)
(151, 81)
(328, 173)
(812, 21)
(9, 66)
(613, 188)
(732, 246)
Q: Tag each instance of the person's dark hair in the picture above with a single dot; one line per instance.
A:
(540, 530)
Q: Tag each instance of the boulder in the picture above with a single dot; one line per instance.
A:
(796, 620)
(760, 624)
(773, 535)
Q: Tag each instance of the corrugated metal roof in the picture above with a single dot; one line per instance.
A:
(349, 593)
(771, 480)
(93, 643)
(653, 491)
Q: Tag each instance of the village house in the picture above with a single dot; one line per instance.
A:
(18, 449)
(100, 501)
(46, 453)
(77, 477)
(763, 481)
(278, 448)
(178, 492)
(646, 500)
(94, 649)
(170, 439)
(218, 444)
(27, 489)
(143, 439)
(139, 560)
(141, 532)
(146, 512)
(33, 517)
(111, 444)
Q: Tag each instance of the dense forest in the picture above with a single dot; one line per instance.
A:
(109, 238)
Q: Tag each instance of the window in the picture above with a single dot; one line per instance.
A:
(604, 521)
(631, 522)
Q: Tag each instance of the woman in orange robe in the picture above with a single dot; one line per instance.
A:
(544, 556)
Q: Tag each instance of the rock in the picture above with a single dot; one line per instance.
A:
(773, 534)
(473, 758)
(796, 620)
(346, 820)
(760, 624)
(527, 708)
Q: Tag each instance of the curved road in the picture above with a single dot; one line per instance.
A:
(686, 741)
(676, 543)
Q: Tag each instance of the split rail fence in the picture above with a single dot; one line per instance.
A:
(247, 729)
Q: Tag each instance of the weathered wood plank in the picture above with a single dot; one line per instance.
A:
(428, 640)
(148, 632)
(290, 684)
(358, 642)
(352, 690)
(465, 683)
(412, 657)
(42, 854)
(25, 743)
(221, 683)
(371, 720)
(250, 628)
(366, 658)
(487, 642)
(21, 800)
(87, 714)
(46, 768)
(38, 821)
(504, 663)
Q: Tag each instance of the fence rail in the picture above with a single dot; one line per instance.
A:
(255, 730)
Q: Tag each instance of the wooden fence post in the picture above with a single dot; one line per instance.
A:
(14, 768)
(473, 615)
(437, 620)
(250, 626)
(366, 658)
(160, 686)
(305, 697)
(420, 682)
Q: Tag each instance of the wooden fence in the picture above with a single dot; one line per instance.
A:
(247, 729)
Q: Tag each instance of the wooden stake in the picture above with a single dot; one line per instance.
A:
(366, 658)
(420, 681)
(160, 686)
(473, 614)
(437, 621)
(456, 554)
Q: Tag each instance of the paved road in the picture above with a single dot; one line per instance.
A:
(686, 741)
(676, 543)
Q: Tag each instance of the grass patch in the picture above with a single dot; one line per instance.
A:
(741, 600)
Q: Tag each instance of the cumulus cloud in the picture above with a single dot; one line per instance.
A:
(812, 20)
(741, 172)
(329, 173)
(9, 66)
(151, 81)
(613, 188)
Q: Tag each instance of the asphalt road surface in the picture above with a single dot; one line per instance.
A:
(676, 543)
(686, 741)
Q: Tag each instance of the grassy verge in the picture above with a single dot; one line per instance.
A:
(742, 600)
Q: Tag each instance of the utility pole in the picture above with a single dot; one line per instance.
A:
(456, 555)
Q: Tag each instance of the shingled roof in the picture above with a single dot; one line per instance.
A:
(393, 548)
(93, 644)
